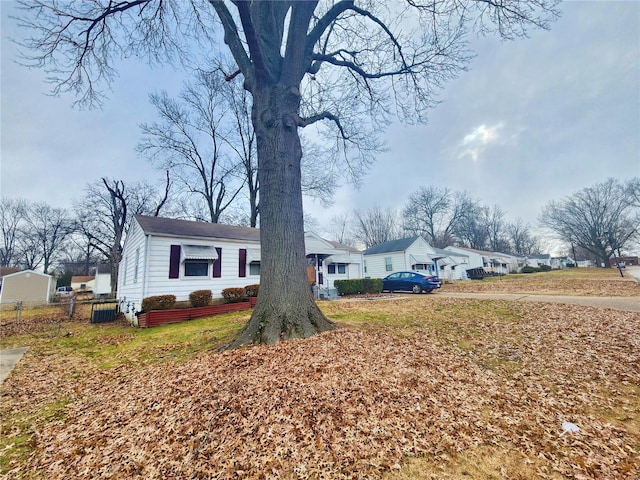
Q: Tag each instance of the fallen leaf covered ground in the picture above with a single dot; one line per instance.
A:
(422, 377)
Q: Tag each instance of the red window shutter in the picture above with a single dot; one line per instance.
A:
(174, 262)
(242, 262)
(217, 265)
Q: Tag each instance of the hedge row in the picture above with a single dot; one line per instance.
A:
(358, 285)
(200, 298)
(541, 268)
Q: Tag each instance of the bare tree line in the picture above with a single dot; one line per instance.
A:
(598, 220)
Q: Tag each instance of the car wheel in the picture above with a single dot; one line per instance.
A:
(416, 288)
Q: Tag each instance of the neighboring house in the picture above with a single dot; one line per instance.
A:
(168, 256)
(102, 282)
(624, 261)
(412, 253)
(585, 263)
(492, 262)
(560, 263)
(27, 286)
(451, 265)
(83, 283)
(329, 261)
(538, 260)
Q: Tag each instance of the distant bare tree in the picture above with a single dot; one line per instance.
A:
(376, 225)
(50, 229)
(601, 219)
(472, 229)
(12, 215)
(520, 238)
(341, 230)
(436, 213)
(105, 212)
(192, 140)
(497, 235)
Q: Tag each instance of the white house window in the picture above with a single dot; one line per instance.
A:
(340, 268)
(196, 268)
(365, 266)
(137, 264)
(420, 266)
(254, 268)
(388, 264)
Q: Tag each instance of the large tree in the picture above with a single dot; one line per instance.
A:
(601, 219)
(191, 139)
(344, 67)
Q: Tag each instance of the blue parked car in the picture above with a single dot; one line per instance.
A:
(415, 282)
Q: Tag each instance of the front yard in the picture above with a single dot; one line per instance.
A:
(418, 386)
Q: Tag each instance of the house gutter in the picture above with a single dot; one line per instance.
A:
(145, 270)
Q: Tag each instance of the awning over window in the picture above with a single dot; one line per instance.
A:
(199, 252)
(338, 258)
(421, 259)
(253, 255)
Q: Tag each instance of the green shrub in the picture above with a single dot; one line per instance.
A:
(200, 298)
(372, 285)
(158, 302)
(529, 269)
(545, 268)
(234, 295)
(358, 285)
(252, 290)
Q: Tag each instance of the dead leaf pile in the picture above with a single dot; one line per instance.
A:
(353, 404)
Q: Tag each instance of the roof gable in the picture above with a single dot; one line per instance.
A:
(392, 246)
(172, 227)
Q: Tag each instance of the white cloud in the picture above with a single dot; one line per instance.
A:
(474, 143)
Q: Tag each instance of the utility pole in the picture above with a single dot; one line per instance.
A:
(609, 238)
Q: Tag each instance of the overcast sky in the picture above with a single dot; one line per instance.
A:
(531, 121)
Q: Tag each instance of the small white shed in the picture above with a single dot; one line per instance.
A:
(27, 286)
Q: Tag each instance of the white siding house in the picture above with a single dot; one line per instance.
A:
(330, 261)
(452, 265)
(406, 254)
(538, 260)
(492, 262)
(163, 256)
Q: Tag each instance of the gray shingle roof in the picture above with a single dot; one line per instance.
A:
(187, 228)
(391, 246)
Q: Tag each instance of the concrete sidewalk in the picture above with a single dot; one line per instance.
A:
(633, 271)
(8, 360)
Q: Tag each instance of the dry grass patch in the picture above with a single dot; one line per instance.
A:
(578, 281)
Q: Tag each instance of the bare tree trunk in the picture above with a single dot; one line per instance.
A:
(286, 309)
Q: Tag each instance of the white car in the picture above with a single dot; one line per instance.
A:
(65, 291)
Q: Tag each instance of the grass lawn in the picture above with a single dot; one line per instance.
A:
(417, 386)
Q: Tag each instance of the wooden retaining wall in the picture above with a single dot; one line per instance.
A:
(155, 318)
